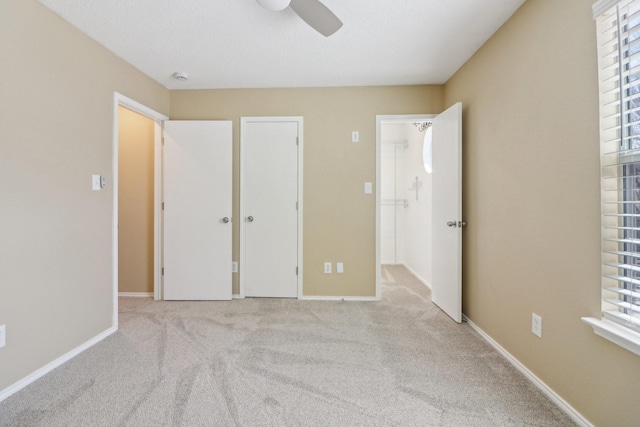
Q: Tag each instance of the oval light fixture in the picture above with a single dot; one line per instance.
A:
(427, 150)
(274, 5)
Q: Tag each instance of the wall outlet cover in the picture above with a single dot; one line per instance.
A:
(327, 268)
(234, 267)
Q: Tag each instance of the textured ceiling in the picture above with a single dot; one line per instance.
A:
(238, 44)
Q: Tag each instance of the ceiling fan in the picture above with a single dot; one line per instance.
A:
(313, 12)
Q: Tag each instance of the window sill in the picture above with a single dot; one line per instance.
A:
(615, 333)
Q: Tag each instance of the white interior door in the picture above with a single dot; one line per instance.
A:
(269, 207)
(447, 223)
(197, 210)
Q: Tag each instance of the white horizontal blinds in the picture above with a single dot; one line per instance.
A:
(619, 72)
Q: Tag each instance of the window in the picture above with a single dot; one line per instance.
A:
(618, 37)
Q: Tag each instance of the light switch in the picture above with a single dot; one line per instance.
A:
(340, 268)
(355, 136)
(368, 188)
(96, 182)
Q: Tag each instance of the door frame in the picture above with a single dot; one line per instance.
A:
(274, 119)
(380, 119)
(120, 100)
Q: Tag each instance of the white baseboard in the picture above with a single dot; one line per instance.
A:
(427, 284)
(136, 294)
(323, 298)
(548, 391)
(14, 388)
(327, 298)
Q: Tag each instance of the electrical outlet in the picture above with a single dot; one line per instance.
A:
(340, 268)
(234, 267)
(3, 335)
(327, 268)
(536, 325)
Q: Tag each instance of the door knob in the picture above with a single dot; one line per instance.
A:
(250, 218)
(226, 219)
(462, 224)
(452, 224)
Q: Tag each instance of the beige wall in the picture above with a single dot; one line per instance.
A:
(56, 129)
(531, 198)
(135, 202)
(339, 219)
(530, 176)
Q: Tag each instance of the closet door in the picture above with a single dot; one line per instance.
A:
(197, 183)
(269, 206)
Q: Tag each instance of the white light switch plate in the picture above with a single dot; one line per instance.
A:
(3, 335)
(368, 188)
(355, 136)
(536, 325)
(340, 268)
(96, 182)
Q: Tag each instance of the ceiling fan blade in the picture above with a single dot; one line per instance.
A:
(317, 15)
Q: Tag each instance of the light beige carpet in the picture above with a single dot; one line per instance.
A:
(273, 362)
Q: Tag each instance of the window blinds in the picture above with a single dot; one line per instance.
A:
(618, 32)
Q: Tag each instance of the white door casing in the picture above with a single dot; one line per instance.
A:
(270, 206)
(447, 224)
(197, 166)
(158, 118)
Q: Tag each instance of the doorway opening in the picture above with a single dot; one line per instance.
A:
(157, 118)
(135, 203)
(403, 199)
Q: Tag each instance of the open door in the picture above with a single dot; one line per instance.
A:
(197, 210)
(447, 224)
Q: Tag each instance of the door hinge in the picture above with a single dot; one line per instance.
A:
(163, 271)
(297, 140)
(296, 205)
(296, 271)
(162, 140)
(162, 205)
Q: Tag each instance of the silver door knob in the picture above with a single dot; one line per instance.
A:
(452, 224)
(250, 218)
(226, 219)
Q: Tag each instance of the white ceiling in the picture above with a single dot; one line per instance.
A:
(238, 44)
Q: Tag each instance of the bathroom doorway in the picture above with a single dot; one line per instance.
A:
(404, 200)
